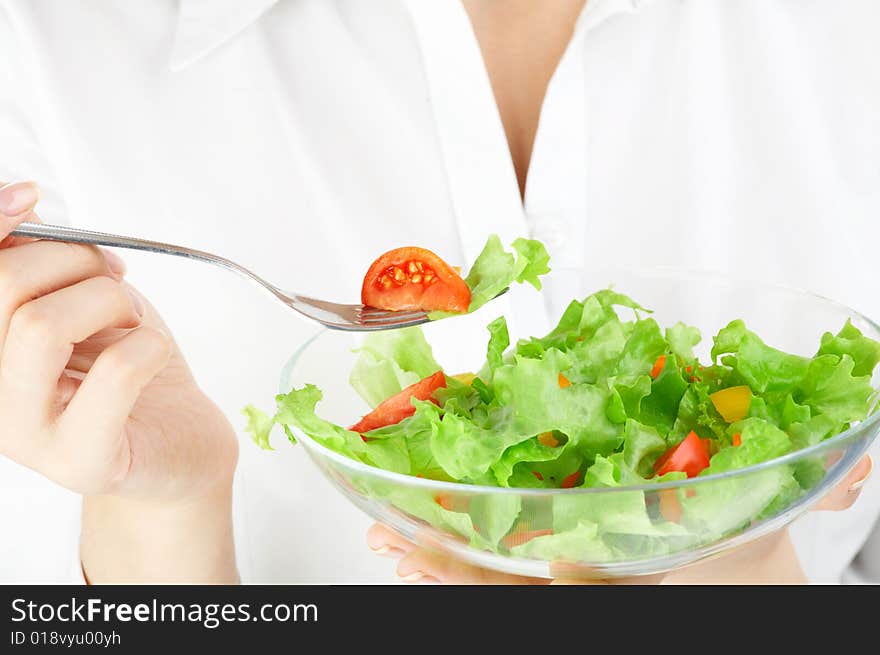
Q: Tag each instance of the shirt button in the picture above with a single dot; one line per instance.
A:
(553, 230)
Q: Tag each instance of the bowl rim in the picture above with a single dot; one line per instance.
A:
(852, 433)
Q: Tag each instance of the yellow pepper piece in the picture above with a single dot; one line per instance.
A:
(732, 403)
(465, 378)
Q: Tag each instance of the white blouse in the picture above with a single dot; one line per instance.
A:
(303, 137)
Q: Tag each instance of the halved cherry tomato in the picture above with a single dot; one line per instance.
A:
(732, 403)
(570, 480)
(657, 369)
(737, 439)
(399, 406)
(690, 456)
(414, 278)
(563, 381)
(518, 538)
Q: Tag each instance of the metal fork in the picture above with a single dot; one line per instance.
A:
(336, 316)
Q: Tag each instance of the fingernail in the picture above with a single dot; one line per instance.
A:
(429, 579)
(415, 576)
(114, 262)
(18, 198)
(389, 551)
(137, 302)
(858, 484)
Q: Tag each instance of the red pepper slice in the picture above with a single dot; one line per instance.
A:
(658, 366)
(690, 456)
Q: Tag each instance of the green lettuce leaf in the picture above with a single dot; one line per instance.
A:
(643, 346)
(722, 506)
(642, 445)
(670, 403)
(389, 361)
(532, 402)
(830, 388)
(697, 413)
(297, 408)
(499, 340)
(525, 452)
(762, 367)
(259, 426)
(682, 339)
(864, 352)
(465, 450)
(621, 512)
(581, 543)
(533, 261)
(496, 269)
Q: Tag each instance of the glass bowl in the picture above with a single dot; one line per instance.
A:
(609, 532)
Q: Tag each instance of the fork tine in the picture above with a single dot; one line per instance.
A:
(353, 318)
(394, 318)
(376, 314)
(372, 311)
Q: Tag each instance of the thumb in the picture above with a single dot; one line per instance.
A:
(17, 202)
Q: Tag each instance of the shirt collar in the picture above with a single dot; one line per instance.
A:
(596, 12)
(204, 25)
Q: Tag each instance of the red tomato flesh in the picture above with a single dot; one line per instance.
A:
(414, 278)
(690, 456)
(399, 406)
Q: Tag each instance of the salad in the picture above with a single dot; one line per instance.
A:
(609, 398)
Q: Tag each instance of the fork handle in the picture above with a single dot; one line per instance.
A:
(75, 235)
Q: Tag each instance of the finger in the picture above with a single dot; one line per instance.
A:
(91, 429)
(385, 541)
(67, 386)
(85, 353)
(848, 490)
(42, 334)
(36, 269)
(17, 201)
(422, 565)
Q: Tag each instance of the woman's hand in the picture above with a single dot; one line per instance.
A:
(95, 395)
(769, 560)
